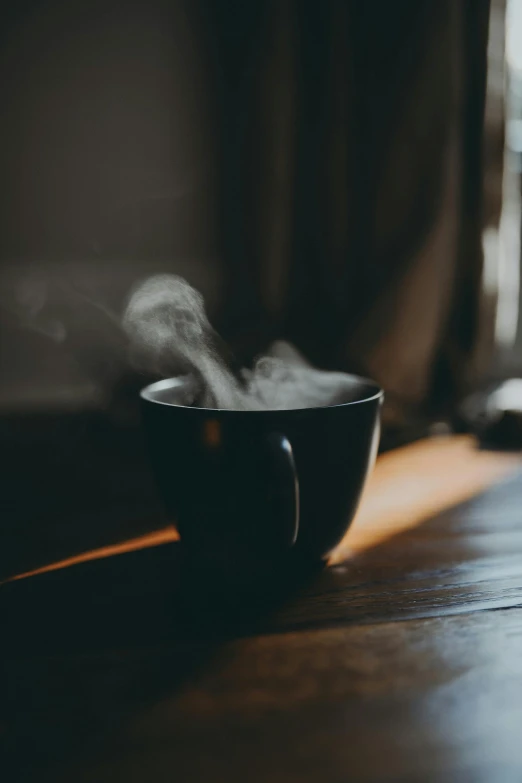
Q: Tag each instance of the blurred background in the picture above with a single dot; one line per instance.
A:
(344, 175)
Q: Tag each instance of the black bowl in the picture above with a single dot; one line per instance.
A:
(247, 485)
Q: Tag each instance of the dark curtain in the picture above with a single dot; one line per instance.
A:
(350, 202)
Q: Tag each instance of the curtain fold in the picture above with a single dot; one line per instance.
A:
(351, 183)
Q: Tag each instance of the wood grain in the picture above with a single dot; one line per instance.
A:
(433, 700)
(392, 702)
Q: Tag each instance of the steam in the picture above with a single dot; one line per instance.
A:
(170, 334)
(29, 302)
(89, 365)
(164, 332)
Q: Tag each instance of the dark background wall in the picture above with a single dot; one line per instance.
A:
(106, 176)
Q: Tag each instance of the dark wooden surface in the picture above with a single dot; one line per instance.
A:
(403, 662)
(69, 483)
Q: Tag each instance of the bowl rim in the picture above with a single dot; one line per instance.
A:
(375, 393)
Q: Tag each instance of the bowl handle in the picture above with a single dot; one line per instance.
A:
(283, 456)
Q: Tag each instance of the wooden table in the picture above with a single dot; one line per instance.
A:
(400, 662)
